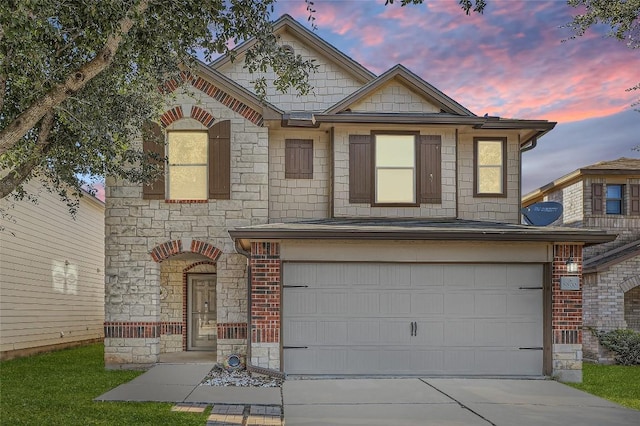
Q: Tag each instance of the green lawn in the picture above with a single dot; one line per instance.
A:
(617, 383)
(58, 388)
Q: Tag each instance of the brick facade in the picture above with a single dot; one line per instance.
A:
(265, 268)
(566, 323)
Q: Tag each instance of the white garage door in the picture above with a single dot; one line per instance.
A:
(434, 319)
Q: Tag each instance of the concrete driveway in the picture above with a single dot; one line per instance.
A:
(446, 402)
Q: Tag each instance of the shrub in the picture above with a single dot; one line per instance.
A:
(625, 344)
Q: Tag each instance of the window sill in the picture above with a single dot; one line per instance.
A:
(186, 201)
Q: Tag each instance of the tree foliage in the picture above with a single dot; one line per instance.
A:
(78, 78)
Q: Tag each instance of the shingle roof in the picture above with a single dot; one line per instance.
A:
(612, 257)
(623, 163)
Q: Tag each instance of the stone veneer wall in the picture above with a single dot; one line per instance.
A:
(330, 82)
(567, 317)
(394, 97)
(136, 227)
(447, 209)
(297, 199)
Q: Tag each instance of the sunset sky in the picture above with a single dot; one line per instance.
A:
(511, 62)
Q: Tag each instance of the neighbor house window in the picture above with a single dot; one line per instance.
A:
(395, 169)
(490, 171)
(615, 199)
(188, 165)
(298, 159)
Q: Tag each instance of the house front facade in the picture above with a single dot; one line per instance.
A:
(371, 227)
(605, 195)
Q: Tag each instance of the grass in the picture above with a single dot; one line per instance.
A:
(59, 388)
(617, 383)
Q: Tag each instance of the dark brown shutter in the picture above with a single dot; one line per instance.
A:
(153, 142)
(220, 161)
(634, 199)
(298, 161)
(597, 200)
(359, 168)
(430, 160)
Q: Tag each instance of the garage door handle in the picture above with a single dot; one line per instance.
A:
(529, 288)
(533, 348)
(295, 347)
(295, 286)
(414, 328)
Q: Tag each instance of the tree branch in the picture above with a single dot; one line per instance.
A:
(10, 135)
(19, 174)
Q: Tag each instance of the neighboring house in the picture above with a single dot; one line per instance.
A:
(51, 273)
(369, 228)
(604, 195)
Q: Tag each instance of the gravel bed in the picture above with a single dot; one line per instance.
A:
(218, 376)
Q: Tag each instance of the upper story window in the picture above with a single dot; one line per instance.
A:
(615, 199)
(188, 165)
(490, 174)
(198, 163)
(402, 169)
(395, 169)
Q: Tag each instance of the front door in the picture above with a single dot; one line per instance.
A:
(201, 312)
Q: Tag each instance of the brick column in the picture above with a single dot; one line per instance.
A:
(265, 304)
(567, 316)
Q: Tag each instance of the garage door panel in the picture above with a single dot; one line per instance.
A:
(490, 276)
(490, 333)
(331, 333)
(492, 304)
(525, 303)
(426, 276)
(458, 333)
(426, 361)
(364, 303)
(459, 304)
(460, 276)
(524, 334)
(524, 276)
(429, 333)
(395, 303)
(395, 332)
(364, 332)
(360, 319)
(395, 276)
(427, 303)
(300, 301)
(334, 303)
(298, 332)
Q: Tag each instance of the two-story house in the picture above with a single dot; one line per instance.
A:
(605, 195)
(371, 227)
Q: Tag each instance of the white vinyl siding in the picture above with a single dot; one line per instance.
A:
(51, 272)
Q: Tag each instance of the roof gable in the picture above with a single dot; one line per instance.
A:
(439, 102)
(286, 24)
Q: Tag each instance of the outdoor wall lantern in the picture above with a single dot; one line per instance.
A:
(572, 266)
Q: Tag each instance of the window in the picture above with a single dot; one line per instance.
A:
(395, 169)
(490, 174)
(198, 167)
(188, 165)
(298, 159)
(615, 199)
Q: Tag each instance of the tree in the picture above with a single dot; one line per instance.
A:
(78, 78)
(622, 17)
